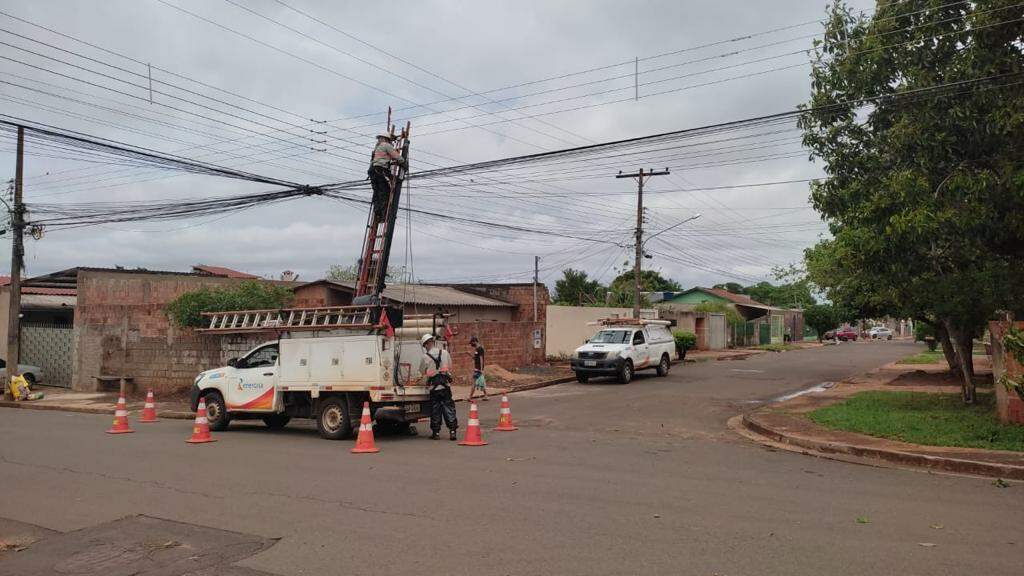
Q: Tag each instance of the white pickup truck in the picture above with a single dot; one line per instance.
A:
(325, 376)
(621, 348)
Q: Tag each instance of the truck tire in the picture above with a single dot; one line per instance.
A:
(664, 365)
(334, 422)
(276, 421)
(216, 411)
(626, 372)
(582, 378)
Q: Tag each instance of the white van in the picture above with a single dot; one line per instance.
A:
(621, 347)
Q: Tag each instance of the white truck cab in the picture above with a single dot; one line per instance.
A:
(324, 375)
(621, 347)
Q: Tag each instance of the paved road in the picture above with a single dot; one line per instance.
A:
(600, 479)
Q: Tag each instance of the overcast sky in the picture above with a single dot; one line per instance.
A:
(257, 103)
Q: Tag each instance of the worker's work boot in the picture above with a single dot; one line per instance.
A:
(435, 436)
(451, 435)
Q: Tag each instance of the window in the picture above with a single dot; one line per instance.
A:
(638, 338)
(265, 356)
(611, 337)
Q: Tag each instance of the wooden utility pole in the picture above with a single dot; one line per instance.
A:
(640, 176)
(17, 255)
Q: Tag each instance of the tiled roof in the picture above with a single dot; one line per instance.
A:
(222, 271)
(425, 295)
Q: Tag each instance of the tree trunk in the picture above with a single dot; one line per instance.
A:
(963, 343)
(947, 346)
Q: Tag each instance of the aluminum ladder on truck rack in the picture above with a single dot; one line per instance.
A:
(290, 319)
(373, 263)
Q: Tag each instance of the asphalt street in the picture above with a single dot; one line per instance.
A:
(601, 478)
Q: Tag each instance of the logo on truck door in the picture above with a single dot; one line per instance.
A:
(243, 385)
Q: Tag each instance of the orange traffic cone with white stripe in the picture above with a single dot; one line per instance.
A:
(201, 429)
(364, 443)
(505, 417)
(149, 409)
(120, 418)
(474, 437)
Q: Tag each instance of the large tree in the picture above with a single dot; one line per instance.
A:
(916, 114)
(576, 289)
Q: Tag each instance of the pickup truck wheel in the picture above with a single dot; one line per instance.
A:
(626, 372)
(334, 421)
(216, 411)
(276, 421)
(582, 378)
(664, 365)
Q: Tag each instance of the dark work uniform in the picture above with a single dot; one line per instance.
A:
(441, 403)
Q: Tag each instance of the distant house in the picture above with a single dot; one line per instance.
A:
(763, 324)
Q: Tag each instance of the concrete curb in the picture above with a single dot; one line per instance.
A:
(839, 450)
(28, 405)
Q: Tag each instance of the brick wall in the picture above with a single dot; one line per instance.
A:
(1009, 406)
(120, 329)
(519, 294)
(507, 344)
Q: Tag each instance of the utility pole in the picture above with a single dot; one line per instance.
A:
(536, 269)
(17, 255)
(640, 176)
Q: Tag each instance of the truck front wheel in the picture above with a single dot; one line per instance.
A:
(626, 372)
(216, 411)
(334, 421)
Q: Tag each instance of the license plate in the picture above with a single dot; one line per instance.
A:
(412, 408)
(590, 362)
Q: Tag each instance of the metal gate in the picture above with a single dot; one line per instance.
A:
(48, 346)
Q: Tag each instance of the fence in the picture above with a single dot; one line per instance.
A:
(50, 347)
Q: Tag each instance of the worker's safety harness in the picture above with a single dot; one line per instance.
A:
(439, 379)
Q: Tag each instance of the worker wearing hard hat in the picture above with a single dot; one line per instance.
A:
(435, 367)
(384, 155)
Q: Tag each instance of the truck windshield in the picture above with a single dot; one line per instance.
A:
(611, 337)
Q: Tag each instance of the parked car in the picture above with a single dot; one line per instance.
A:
(621, 348)
(880, 333)
(33, 374)
(830, 335)
(844, 334)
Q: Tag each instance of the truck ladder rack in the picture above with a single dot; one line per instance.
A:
(290, 319)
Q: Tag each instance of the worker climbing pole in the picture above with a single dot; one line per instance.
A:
(388, 168)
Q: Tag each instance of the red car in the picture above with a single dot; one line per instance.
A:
(844, 334)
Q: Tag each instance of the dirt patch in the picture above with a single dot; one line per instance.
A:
(526, 375)
(927, 378)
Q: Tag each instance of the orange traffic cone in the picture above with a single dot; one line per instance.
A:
(473, 435)
(149, 410)
(201, 429)
(120, 418)
(364, 443)
(505, 417)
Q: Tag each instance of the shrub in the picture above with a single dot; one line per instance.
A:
(685, 340)
(923, 331)
(187, 309)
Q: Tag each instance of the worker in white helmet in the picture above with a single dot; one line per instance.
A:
(384, 155)
(436, 369)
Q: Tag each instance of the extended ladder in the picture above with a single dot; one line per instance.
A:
(373, 266)
(290, 319)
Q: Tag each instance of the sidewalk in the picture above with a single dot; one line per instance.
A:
(783, 425)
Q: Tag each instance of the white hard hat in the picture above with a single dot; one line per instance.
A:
(426, 338)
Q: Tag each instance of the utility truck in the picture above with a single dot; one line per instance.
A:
(622, 346)
(324, 363)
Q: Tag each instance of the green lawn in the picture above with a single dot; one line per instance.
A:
(926, 357)
(923, 418)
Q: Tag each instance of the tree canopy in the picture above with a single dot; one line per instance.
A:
(575, 288)
(924, 193)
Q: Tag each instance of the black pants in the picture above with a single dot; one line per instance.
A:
(381, 181)
(442, 405)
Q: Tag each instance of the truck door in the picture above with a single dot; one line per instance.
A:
(251, 388)
(643, 352)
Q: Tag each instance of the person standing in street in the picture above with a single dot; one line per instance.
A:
(436, 367)
(479, 382)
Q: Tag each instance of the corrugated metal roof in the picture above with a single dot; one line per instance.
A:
(426, 295)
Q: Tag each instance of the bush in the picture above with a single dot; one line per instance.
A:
(187, 309)
(684, 340)
(923, 331)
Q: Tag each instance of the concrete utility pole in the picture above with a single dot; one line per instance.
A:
(640, 176)
(536, 269)
(17, 255)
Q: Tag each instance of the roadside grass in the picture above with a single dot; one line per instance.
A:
(926, 357)
(777, 347)
(923, 418)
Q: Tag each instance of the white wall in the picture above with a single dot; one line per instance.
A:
(567, 326)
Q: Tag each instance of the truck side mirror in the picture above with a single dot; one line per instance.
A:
(233, 362)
